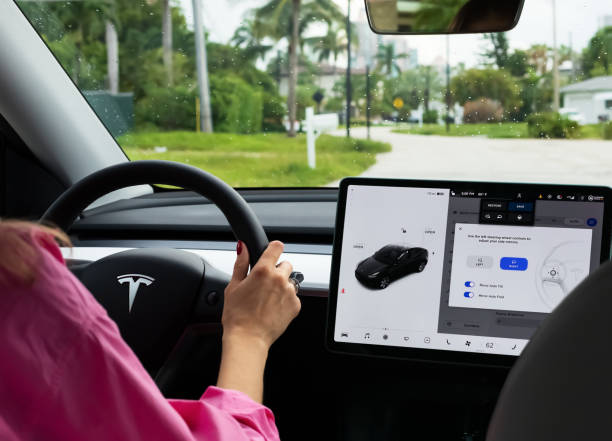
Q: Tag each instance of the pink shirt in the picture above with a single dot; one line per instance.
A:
(66, 374)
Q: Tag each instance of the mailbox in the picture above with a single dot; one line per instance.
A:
(315, 125)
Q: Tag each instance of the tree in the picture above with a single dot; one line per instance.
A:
(597, 56)
(415, 87)
(245, 37)
(88, 23)
(517, 63)
(386, 59)
(287, 20)
(474, 84)
(537, 56)
(498, 53)
(333, 43)
(337, 103)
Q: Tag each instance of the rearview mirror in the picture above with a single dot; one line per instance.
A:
(442, 16)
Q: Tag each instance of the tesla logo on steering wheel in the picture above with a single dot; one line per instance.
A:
(134, 280)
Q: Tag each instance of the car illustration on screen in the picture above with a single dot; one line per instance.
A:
(390, 263)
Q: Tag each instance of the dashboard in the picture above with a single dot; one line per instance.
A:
(305, 220)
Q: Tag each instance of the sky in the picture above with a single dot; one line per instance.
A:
(577, 21)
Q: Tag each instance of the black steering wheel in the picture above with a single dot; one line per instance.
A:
(153, 294)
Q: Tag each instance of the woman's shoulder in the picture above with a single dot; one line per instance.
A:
(35, 280)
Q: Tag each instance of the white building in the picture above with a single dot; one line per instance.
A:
(591, 98)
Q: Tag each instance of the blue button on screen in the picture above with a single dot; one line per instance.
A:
(591, 222)
(520, 206)
(513, 263)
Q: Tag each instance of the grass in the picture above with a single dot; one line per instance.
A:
(493, 130)
(258, 160)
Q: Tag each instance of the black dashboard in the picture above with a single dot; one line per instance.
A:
(304, 216)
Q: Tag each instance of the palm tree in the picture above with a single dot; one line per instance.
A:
(332, 44)
(246, 38)
(386, 59)
(288, 19)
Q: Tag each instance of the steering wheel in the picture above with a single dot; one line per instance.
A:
(153, 294)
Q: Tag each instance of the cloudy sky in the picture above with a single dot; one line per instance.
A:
(577, 21)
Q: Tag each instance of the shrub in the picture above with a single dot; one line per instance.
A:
(483, 110)
(495, 84)
(167, 108)
(236, 106)
(304, 99)
(551, 125)
(607, 130)
(273, 112)
(430, 117)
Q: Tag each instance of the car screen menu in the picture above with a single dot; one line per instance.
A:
(438, 268)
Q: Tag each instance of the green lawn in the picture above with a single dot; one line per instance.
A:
(258, 160)
(493, 130)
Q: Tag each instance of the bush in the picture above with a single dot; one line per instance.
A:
(273, 112)
(236, 106)
(167, 108)
(304, 99)
(607, 130)
(430, 117)
(483, 110)
(552, 125)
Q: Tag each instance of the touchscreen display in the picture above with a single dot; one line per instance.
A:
(459, 270)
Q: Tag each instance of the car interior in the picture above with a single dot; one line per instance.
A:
(438, 351)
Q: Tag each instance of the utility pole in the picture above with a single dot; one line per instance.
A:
(202, 67)
(571, 48)
(368, 98)
(348, 70)
(167, 40)
(448, 97)
(555, 60)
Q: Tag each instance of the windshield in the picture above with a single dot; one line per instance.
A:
(230, 88)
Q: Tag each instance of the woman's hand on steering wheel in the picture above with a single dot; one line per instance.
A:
(259, 306)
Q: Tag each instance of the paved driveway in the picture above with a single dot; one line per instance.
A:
(482, 159)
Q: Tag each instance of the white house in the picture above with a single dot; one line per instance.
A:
(591, 98)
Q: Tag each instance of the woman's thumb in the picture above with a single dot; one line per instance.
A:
(241, 267)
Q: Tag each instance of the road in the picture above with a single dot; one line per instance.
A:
(587, 162)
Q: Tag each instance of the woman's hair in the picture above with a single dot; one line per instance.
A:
(18, 251)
